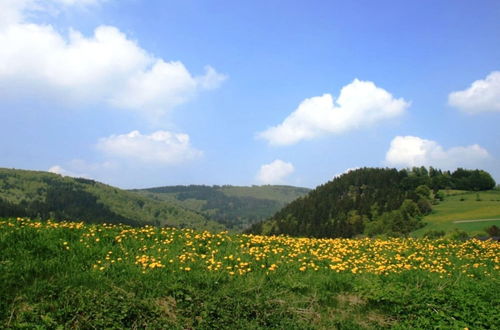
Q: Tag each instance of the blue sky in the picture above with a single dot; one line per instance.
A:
(139, 93)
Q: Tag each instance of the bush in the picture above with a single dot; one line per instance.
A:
(458, 234)
(493, 231)
(424, 206)
(439, 196)
(433, 234)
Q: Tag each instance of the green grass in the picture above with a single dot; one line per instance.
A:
(464, 205)
(67, 275)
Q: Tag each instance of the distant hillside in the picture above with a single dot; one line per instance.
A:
(370, 201)
(468, 211)
(234, 207)
(51, 196)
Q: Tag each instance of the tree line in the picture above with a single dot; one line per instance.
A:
(370, 201)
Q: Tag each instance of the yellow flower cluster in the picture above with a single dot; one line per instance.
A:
(185, 250)
(148, 262)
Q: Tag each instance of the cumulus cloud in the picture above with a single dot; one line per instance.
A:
(106, 67)
(57, 169)
(360, 103)
(275, 172)
(163, 87)
(160, 148)
(481, 96)
(11, 11)
(350, 169)
(409, 151)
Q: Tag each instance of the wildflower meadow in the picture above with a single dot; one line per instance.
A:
(76, 275)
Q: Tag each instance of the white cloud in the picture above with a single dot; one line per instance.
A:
(481, 96)
(11, 11)
(350, 169)
(360, 103)
(57, 169)
(275, 172)
(160, 148)
(409, 151)
(107, 67)
(163, 87)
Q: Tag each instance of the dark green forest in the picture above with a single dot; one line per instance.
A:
(370, 201)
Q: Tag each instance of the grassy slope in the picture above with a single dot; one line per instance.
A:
(282, 194)
(463, 205)
(190, 203)
(18, 185)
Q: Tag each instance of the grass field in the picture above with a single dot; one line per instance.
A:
(463, 205)
(72, 275)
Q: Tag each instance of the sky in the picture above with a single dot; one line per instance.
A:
(137, 93)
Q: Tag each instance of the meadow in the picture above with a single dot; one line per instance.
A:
(459, 208)
(62, 275)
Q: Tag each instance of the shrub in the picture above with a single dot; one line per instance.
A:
(433, 234)
(458, 234)
(493, 231)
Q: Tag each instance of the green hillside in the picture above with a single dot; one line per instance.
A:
(281, 194)
(51, 196)
(468, 211)
(235, 207)
(378, 201)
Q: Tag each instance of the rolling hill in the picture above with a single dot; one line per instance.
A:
(51, 196)
(374, 201)
(366, 201)
(235, 207)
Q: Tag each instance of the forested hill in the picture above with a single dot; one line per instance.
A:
(50, 196)
(235, 207)
(370, 201)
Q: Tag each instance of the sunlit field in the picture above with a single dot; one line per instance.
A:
(71, 274)
(462, 205)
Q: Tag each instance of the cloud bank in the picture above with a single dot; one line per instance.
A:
(104, 68)
(409, 151)
(275, 172)
(360, 103)
(159, 148)
(482, 96)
